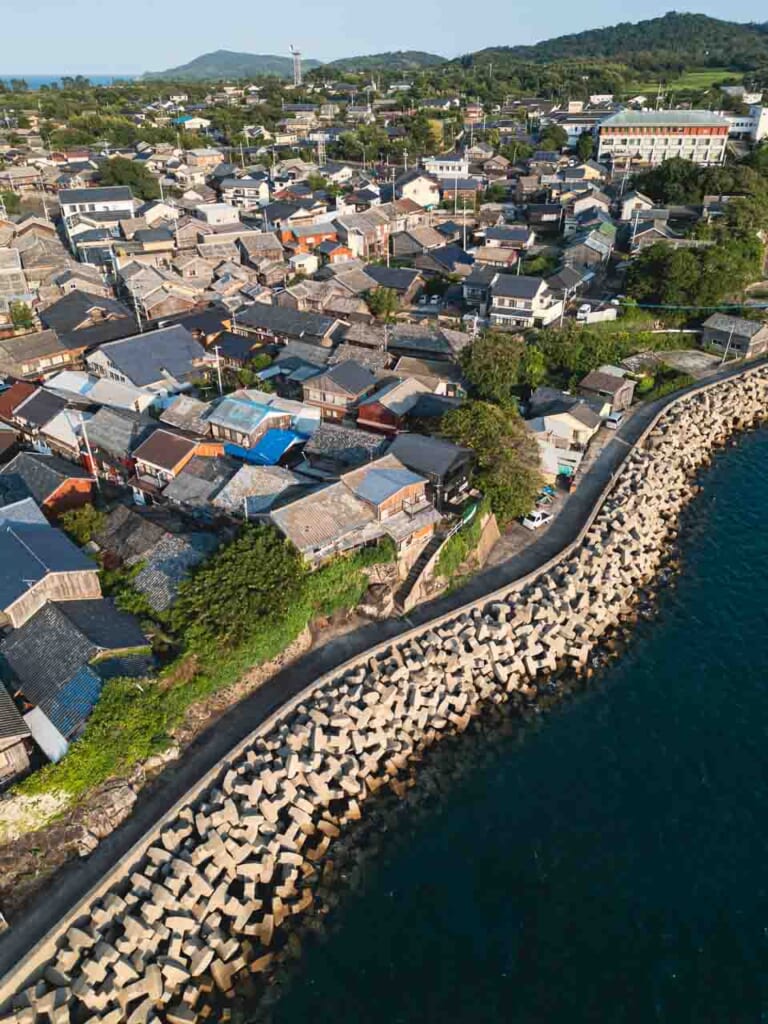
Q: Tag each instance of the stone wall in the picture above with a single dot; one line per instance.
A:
(204, 896)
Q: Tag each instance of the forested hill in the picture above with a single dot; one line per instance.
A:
(674, 40)
(226, 64)
(398, 60)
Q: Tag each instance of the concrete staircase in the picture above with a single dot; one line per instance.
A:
(417, 569)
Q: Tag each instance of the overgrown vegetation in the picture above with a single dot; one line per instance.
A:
(507, 457)
(458, 548)
(239, 610)
(82, 524)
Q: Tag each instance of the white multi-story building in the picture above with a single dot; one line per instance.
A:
(651, 136)
(753, 126)
(447, 166)
(520, 301)
(106, 199)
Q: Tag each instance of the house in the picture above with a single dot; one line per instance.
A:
(496, 167)
(611, 387)
(442, 377)
(419, 187)
(14, 740)
(237, 420)
(247, 193)
(521, 301)
(407, 283)
(386, 409)
(375, 501)
(36, 412)
(164, 361)
(334, 448)
(415, 241)
(275, 324)
(448, 165)
(40, 564)
(339, 389)
(497, 256)
(13, 283)
(366, 234)
(33, 355)
(449, 259)
(157, 460)
(562, 426)
(59, 659)
(112, 435)
(254, 490)
(79, 309)
(186, 414)
(545, 218)
(510, 236)
(105, 199)
(426, 341)
(446, 467)
(735, 335)
(56, 484)
(198, 483)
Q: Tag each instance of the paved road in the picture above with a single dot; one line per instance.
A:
(75, 879)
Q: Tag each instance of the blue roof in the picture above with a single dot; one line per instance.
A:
(28, 552)
(69, 709)
(239, 414)
(380, 484)
(269, 449)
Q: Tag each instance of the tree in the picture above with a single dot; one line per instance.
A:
(492, 366)
(81, 524)
(246, 585)
(11, 201)
(533, 367)
(19, 85)
(585, 145)
(383, 303)
(507, 457)
(119, 171)
(21, 315)
(553, 138)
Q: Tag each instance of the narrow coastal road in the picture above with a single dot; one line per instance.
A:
(75, 879)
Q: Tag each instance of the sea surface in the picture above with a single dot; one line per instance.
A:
(35, 81)
(607, 862)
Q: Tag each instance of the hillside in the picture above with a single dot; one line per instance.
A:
(672, 41)
(398, 60)
(227, 64)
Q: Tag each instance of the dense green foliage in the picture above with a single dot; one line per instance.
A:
(396, 60)
(140, 180)
(507, 456)
(21, 315)
(459, 548)
(257, 614)
(674, 41)
(11, 201)
(244, 585)
(226, 64)
(81, 524)
(383, 303)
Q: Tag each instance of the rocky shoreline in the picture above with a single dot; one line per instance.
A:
(204, 908)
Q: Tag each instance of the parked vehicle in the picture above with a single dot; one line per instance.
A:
(583, 311)
(536, 519)
(614, 421)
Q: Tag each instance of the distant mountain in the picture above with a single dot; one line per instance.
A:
(224, 64)
(691, 40)
(398, 60)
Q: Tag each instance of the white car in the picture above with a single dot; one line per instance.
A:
(536, 519)
(614, 421)
(583, 311)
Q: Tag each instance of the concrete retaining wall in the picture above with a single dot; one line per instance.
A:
(202, 896)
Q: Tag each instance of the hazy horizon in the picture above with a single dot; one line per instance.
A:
(73, 34)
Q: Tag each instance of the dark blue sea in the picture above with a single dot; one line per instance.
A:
(35, 81)
(607, 862)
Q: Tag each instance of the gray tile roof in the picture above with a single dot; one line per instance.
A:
(516, 286)
(41, 475)
(129, 535)
(117, 431)
(169, 563)
(39, 409)
(350, 377)
(148, 358)
(68, 312)
(288, 322)
(432, 456)
(12, 725)
(741, 328)
(104, 194)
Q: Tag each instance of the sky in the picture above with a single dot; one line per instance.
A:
(82, 36)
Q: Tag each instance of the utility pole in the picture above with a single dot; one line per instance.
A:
(217, 350)
(727, 347)
(464, 211)
(634, 229)
(91, 460)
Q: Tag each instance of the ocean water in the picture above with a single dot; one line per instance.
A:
(606, 862)
(35, 81)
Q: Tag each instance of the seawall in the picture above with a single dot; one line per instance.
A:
(203, 895)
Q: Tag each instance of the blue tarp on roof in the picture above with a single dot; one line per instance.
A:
(74, 702)
(269, 450)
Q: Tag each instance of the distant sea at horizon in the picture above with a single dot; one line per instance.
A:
(35, 81)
